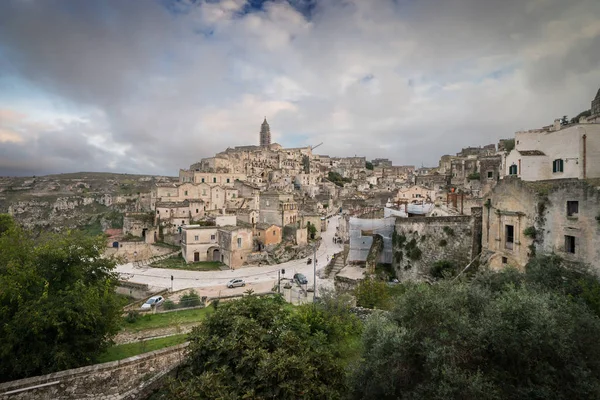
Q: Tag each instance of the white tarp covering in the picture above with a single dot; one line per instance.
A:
(421, 209)
(390, 212)
(360, 245)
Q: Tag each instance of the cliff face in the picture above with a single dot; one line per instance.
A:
(88, 201)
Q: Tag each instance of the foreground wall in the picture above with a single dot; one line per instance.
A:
(420, 242)
(125, 379)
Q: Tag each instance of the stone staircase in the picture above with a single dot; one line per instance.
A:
(337, 263)
(148, 261)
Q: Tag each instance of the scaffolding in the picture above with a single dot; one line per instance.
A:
(361, 238)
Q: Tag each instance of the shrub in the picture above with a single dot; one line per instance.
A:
(190, 299)
(169, 305)
(415, 253)
(132, 316)
(530, 231)
(442, 269)
(215, 303)
(443, 243)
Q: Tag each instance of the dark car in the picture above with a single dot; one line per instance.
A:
(301, 279)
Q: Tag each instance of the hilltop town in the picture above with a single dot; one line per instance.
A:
(294, 225)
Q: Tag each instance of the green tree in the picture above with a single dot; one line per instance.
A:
(369, 165)
(465, 341)
(372, 293)
(312, 230)
(256, 348)
(58, 306)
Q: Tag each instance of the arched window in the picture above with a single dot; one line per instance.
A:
(558, 165)
(512, 170)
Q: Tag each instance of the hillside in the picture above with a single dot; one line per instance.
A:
(92, 201)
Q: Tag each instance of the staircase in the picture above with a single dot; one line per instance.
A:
(337, 263)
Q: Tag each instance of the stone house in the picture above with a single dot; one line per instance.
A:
(433, 181)
(521, 219)
(313, 218)
(246, 215)
(278, 208)
(267, 234)
(555, 152)
(199, 243)
(174, 214)
(415, 193)
(236, 244)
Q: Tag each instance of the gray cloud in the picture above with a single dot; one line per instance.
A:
(410, 80)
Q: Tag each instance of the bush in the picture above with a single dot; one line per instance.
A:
(372, 293)
(530, 231)
(215, 303)
(442, 269)
(448, 231)
(190, 299)
(443, 243)
(460, 341)
(132, 316)
(169, 305)
(415, 254)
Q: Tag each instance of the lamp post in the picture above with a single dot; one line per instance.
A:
(135, 258)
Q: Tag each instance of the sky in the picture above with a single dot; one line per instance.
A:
(152, 86)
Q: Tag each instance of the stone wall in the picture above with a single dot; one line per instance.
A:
(125, 379)
(420, 242)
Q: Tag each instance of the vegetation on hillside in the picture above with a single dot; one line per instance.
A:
(338, 179)
(58, 306)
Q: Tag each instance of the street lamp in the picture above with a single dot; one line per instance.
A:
(314, 271)
(135, 258)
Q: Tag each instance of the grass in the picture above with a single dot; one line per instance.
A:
(179, 263)
(122, 351)
(153, 321)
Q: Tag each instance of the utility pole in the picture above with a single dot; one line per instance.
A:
(314, 272)
(278, 281)
(171, 283)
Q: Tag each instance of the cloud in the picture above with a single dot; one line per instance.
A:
(152, 87)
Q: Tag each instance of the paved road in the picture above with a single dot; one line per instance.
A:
(253, 275)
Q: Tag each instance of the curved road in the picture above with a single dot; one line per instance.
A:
(266, 276)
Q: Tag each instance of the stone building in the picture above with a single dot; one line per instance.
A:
(265, 134)
(236, 244)
(414, 192)
(555, 152)
(595, 110)
(199, 243)
(267, 235)
(525, 218)
(313, 218)
(433, 181)
(278, 208)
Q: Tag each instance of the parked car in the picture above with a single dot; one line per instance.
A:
(153, 301)
(236, 283)
(301, 279)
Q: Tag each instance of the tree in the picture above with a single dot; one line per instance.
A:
(312, 230)
(372, 293)
(369, 165)
(58, 306)
(465, 341)
(256, 348)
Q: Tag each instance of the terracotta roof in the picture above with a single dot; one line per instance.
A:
(531, 152)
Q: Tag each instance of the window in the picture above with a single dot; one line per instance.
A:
(227, 180)
(185, 192)
(157, 211)
(239, 242)
(572, 208)
(504, 260)
(214, 180)
(196, 211)
(557, 165)
(490, 174)
(274, 233)
(202, 180)
(512, 170)
(212, 237)
(570, 244)
(509, 236)
(182, 222)
(196, 237)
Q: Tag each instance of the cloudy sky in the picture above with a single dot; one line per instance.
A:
(152, 86)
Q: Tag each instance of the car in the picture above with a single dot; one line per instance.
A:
(301, 279)
(153, 301)
(236, 283)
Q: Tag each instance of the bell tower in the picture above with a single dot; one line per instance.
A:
(265, 134)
